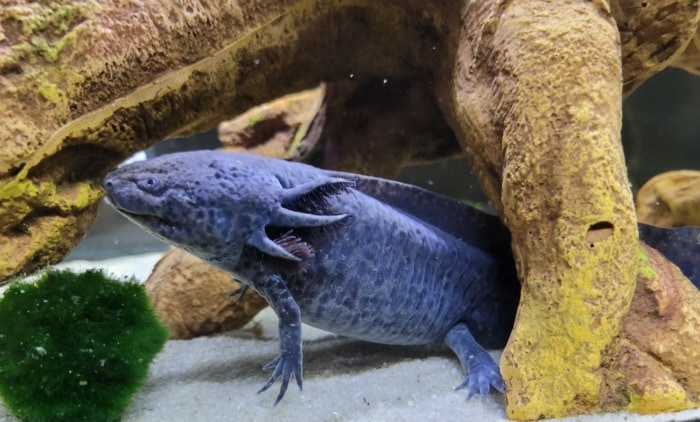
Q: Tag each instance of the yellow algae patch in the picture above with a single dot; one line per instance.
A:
(52, 93)
(659, 398)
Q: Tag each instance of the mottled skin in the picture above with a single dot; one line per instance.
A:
(362, 257)
(321, 250)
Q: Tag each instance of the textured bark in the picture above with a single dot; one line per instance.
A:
(689, 60)
(537, 86)
(653, 366)
(654, 35)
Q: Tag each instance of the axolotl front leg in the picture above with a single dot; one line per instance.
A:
(289, 361)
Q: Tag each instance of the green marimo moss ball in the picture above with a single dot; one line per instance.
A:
(75, 347)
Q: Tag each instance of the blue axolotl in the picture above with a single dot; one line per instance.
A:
(362, 257)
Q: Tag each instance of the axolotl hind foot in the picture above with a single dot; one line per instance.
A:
(482, 372)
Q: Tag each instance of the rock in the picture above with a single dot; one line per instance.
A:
(192, 298)
(670, 199)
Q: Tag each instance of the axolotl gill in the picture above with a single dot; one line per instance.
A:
(361, 257)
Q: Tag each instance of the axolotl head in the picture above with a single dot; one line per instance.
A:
(212, 204)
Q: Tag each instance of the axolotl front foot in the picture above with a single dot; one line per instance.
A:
(482, 372)
(286, 365)
(289, 362)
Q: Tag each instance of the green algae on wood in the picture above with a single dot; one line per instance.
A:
(44, 30)
(645, 270)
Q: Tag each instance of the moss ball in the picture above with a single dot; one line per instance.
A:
(75, 347)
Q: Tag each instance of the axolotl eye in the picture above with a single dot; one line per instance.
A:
(149, 183)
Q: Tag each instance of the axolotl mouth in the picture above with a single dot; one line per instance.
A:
(154, 224)
(159, 227)
(132, 215)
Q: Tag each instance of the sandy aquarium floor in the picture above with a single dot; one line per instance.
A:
(216, 378)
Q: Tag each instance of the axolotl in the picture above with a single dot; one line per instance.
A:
(359, 256)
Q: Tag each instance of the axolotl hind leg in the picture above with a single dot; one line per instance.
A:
(482, 372)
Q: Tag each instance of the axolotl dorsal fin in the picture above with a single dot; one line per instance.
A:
(301, 206)
(477, 228)
(680, 245)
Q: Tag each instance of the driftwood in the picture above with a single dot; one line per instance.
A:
(670, 199)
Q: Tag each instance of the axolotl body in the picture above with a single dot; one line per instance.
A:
(362, 257)
(359, 256)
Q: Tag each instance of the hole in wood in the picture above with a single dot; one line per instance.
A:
(599, 231)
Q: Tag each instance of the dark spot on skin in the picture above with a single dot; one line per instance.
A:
(320, 311)
(244, 220)
(363, 303)
(362, 267)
